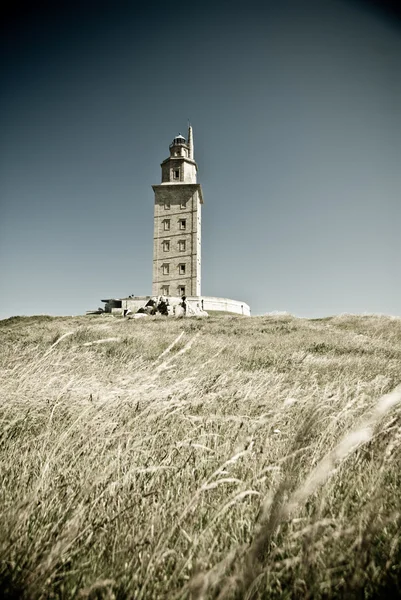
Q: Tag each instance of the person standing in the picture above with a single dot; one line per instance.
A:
(184, 304)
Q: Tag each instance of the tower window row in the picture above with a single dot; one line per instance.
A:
(182, 224)
(181, 268)
(167, 204)
(182, 245)
(165, 290)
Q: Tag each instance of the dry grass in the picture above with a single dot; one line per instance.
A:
(201, 458)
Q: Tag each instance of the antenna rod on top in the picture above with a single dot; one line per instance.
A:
(190, 141)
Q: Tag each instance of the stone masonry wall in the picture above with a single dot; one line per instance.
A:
(173, 203)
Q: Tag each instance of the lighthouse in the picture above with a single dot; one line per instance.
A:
(177, 223)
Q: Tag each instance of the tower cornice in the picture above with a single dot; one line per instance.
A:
(188, 186)
(179, 158)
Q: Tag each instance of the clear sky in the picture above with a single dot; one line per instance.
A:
(296, 110)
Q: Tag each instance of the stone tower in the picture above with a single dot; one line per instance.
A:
(177, 223)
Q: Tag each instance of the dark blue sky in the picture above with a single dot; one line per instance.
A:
(296, 109)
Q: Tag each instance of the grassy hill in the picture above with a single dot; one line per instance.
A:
(226, 457)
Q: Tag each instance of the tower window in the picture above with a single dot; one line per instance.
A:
(165, 290)
(181, 269)
(183, 223)
(166, 269)
(166, 245)
(166, 224)
(181, 245)
(167, 204)
(176, 174)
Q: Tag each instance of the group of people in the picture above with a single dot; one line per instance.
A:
(161, 305)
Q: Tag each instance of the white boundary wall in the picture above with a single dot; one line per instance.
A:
(225, 304)
(210, 303)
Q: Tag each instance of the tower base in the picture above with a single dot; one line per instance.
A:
(196, 305)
